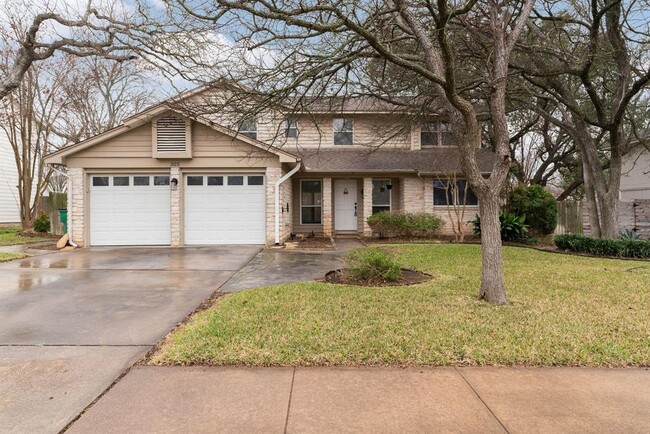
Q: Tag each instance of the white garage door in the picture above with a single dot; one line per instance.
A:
(224, 209)
(129, 210)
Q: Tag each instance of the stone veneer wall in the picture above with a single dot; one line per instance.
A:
(175, 200)
(286, 216)
(76, 205)
(272, 175)
(328, 229)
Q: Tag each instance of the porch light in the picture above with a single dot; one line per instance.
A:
(389, 186)
(174, 183)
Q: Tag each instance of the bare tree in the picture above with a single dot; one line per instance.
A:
(42, 30)
(591, 61)
(296, 52)
(98, 94)
(30, 140)
(456, 204)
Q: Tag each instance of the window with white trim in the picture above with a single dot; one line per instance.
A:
(381, 189)
(445, 193)
(343, 131)
(436, 133)
(248, 128)
(291, 128)
(311, 201)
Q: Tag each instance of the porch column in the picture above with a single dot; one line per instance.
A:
(175, 172)
(367, 206)
(428, 195)
(327, 207)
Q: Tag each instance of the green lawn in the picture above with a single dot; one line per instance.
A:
(4, 257)
(566, 310)
(9, 237)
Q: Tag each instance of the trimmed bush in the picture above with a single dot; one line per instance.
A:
(42, 222)
(513, 228)
(603, 246)
(397, 224)
(371, 264)
(538, 205)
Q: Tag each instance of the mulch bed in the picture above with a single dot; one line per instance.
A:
(440, 239)
(37, 235)
(409, 277)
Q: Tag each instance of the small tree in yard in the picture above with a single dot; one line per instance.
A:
(405, 53)
(456, 205)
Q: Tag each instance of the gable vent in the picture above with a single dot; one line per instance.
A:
(171, 135)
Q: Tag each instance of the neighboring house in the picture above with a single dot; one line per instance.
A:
(635, 175)
(634, 205)
(162, 178)
(9, 202)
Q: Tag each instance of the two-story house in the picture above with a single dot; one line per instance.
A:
(167, 177)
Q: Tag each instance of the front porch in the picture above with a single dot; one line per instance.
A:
(329, 206)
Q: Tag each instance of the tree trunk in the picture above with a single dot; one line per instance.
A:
(592, 204)
(492, 282)
(609, 217)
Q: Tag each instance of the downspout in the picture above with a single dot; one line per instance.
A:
(277, 201)
(72, 243)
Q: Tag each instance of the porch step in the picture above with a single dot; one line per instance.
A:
(351, 235)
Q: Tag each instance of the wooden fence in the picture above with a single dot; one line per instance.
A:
(50, 205)
(569, 217)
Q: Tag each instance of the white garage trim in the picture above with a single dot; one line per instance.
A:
(224, 208)
(129, 209)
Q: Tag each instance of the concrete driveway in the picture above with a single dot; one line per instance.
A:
(71, 323)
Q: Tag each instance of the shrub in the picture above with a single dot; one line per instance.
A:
(629, 234)
(371, 264)
(513, 228)
(538, 205)
(603, 246)
(396, 224)
(42, 222)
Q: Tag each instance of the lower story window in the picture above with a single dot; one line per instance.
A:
(311, 201)
(381, 195)
(450, 192)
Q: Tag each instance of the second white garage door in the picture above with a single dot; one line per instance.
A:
(225, 209)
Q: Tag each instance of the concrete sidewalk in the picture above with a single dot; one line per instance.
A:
(378, 400)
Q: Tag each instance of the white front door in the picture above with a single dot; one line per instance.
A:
(345, 204)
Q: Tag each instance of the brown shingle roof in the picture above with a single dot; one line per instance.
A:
(427, 161)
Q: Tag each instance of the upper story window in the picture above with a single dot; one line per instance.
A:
(454, 193)
(343, 131)
(172, 137)
(435, 133)
(291, 128)
(248, 128)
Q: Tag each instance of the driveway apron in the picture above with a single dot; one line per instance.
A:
(72, 322)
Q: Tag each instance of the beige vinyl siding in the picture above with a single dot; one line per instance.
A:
(132, 144)
(210, 149)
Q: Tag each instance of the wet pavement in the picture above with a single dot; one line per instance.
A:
(276, 267)
(72, 322)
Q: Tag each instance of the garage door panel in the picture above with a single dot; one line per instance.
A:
(129, 215)
(224, 214)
